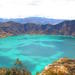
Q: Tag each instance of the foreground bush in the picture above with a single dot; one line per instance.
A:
(63, 66)
(17, 69)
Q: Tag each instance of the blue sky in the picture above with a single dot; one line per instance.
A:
(57, 9)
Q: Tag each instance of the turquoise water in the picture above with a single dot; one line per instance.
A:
(36, 51)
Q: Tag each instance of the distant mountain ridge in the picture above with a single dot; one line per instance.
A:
(13, 28)
(37, 20)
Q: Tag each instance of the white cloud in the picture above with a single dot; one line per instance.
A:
(60, 9)
(34, 2)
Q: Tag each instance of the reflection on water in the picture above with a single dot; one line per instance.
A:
(35, 51)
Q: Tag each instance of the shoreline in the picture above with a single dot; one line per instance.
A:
(37, 35)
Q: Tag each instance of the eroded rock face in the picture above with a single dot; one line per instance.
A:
(13, 28)
(63, 66)
(17, 69)
(73, 34)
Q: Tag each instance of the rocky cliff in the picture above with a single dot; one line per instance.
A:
(63, 66)
(13, 28)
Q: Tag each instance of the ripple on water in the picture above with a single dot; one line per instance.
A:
(36, 51)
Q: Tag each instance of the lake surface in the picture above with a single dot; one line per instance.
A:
(36, 51)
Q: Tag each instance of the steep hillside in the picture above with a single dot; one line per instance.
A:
(13, 28)
(63, 66)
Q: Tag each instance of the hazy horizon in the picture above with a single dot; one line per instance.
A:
(30, 17)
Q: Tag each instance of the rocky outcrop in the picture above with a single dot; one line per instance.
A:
(17, 69)
(12, 28)
(66, 28)
(63, 66)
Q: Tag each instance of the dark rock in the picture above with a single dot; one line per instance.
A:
(12, 28)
